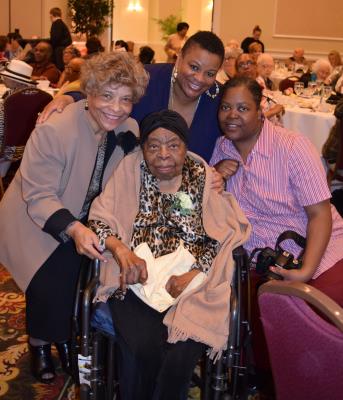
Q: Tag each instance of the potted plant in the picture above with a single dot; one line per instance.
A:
(90, 17)
(168, 25)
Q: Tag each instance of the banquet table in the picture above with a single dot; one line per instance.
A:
(302, 115)
(315, 125)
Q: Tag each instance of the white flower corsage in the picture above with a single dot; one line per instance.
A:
(182, 203)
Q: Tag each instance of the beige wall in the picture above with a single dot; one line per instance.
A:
(4, 17)
(236, 20)
(232, 19)
(141, 27)
(30, 16)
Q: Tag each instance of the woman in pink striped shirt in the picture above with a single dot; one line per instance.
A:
(279, 182)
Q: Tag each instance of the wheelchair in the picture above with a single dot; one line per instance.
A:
(93, 340)
(94, 346)
(232, 376)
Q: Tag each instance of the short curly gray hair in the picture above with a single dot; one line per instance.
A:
(113, 68)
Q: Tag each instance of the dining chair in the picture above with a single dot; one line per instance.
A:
(20, 114)
(305, 346)
(288, 83)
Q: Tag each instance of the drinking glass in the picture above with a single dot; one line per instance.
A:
(312, 87)
(326, 91)
(299, 88)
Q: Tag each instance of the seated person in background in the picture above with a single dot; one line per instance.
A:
(16, 75)
(93, 46)
(43, 68)
(332, 153)
(130, 46)
(297, 62)
(121, 45)
(71, 75)
(228, 69)
(27, 54)
(337, 67)
(176, 41)
(339, 85)
(265, 67)
(255, 49)
(257, 158)
(246, 67)
(146, 55)
(3, 48)
(158, 362)
(233, 44)
(256, 34)
(13, 46)
(69, 53)
(322, 70)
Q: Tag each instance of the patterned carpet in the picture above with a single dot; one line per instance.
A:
(16, 382)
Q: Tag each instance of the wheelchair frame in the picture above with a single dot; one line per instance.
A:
(226, 379)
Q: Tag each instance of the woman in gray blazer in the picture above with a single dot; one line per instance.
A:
(66, 163)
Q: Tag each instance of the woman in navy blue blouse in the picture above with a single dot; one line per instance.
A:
(189, 88)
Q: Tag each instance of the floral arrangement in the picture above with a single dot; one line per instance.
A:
(183, 203)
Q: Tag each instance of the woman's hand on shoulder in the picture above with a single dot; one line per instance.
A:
(226, 168)
(177, 283)
(217, 183)
(132, 268)
(58, 104)
(86, 241)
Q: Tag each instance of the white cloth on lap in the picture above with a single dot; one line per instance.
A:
(160, 269)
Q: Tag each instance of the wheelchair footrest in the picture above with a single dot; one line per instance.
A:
(84, 364)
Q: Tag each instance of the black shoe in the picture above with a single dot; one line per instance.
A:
(41, 362)
(64, 352)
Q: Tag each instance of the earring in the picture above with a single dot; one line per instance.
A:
(213, 96)
(174, 75)
(86, 104)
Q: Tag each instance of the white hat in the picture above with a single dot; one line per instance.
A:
(19, 71)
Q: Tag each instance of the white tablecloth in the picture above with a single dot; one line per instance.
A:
(315, 125)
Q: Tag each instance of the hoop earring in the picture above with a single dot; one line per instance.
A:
(174, 75)
(213, 96)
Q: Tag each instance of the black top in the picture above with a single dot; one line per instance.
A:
(59, 34)
(247, 42)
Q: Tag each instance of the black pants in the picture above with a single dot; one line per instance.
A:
(150, 368)
(51, 293)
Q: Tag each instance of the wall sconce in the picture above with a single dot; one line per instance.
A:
(210, 5)
(134, 6)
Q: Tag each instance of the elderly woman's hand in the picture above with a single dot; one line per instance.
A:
(132, 268)
(177, 283)
(58, 104)
(227, 168)
(86, 241)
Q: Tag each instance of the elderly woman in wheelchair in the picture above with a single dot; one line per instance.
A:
(169, 238)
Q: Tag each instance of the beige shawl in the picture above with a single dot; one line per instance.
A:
(202, 314)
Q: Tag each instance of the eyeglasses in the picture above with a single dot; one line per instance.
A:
(245, 64)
